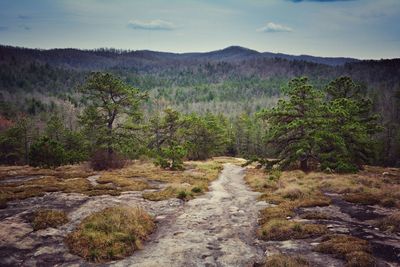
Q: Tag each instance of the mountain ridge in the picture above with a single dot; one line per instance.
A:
(228, 54)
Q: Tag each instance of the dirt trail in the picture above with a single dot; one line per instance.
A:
(216, 229)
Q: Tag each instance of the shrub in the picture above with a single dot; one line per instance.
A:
(344, 167)
(275, 175)
(196, 189)
(111, 234)
(102, 160)
(43, 219)
(171, 157)
(184, 195)
(47, 153)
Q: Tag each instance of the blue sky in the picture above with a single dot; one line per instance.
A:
(355, 28)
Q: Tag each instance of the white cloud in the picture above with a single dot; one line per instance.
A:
(154, 25)
(274, 27)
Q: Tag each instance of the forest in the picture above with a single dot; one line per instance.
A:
(55, 108)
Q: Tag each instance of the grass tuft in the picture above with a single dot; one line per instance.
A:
(44, 218)
(111, 234)
(278, 229)
(315, 215)
(390, 223)
(355, 251)
(282, 260)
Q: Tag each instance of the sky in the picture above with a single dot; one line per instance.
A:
(365, 29)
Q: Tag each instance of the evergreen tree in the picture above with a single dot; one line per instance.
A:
(112, 111)
(204, 136)
(293, 124)
(351, 121)
(166, 139)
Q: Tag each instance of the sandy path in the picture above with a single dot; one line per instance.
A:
(216, 229)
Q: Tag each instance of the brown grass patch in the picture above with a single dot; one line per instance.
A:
(315, 215)
(43, 218)
(348, 248)
(282, 260)
(279, 229)
(362, 198)
(72, 179)
(390, 223)
(111, 234)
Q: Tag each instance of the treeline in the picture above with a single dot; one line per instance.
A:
(330, 129)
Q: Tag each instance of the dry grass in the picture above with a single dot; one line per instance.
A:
(290, 190)
(73, 179)
(122, 182)
(355, 251)
(390, 223)
(315, 215)
(189, 183)
(111, 234)
(43, 218)
(282, 260)
(280, 229)
(374, 185)
(362, 198)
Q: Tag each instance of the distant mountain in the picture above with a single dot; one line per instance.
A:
(109, 58)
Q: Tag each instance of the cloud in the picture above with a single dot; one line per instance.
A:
(274, 27)
(152, 25)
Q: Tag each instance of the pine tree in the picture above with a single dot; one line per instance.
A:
(112, 111)
(293, 124)
(351, 121)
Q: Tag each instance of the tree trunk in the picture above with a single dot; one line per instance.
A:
(304, 164)
(109, 142)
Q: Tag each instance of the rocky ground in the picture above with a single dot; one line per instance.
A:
(214, 229)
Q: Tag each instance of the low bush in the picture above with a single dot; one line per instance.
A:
(274, 175)
(184, 195)
(102, 160)
(197, 189)
(47, 153)
(171, 157)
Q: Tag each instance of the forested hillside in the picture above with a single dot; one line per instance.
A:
(232, 85)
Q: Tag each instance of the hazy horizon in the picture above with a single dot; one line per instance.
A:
(363, 29)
